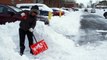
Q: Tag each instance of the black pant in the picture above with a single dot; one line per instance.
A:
(22, 35)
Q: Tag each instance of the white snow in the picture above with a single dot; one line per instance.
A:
(60, 47)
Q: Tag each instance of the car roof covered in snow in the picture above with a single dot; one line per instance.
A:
(41, 6)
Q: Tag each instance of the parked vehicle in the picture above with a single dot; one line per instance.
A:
(93, 29)
(12, 14)
(67, 9)
(75, 9)
(44, 9)
(9, 14)
(93, 22)
(56, 11)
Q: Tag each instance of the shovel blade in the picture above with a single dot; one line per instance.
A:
(39, 47)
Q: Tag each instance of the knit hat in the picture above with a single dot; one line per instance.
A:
(35, 9)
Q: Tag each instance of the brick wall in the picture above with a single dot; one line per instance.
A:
(13, 2)
(58, 3)
(52, 3)
(5, 1)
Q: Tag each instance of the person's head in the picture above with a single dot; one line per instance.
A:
(34, 10)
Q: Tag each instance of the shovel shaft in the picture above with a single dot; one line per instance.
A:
(34, 38)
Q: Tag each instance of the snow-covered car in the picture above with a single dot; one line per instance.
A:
(92, 29)
(67, 9)
(92, 21)
(44, 9)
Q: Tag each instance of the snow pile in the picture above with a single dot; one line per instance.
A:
(68, 25)
(57, 43)
(7, 46)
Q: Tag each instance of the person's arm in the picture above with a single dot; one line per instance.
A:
(31, 29)
(33, 24)
(23, 15)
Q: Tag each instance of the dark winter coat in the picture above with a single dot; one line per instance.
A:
(29, 22)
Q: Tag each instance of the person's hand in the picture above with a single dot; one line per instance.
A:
(31, 29)
(23, 14)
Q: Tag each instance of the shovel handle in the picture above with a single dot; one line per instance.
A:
(34, 37)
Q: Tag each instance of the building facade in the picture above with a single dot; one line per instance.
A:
(60, 3)
(13, 2)
(50, 3)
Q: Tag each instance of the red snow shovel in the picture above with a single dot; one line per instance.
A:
(39, 46)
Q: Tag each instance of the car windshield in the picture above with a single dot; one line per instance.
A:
(16, 9)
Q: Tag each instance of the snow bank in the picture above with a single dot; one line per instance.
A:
(7, 46)
(68, 25)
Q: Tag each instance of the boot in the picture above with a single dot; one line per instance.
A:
(21, 51)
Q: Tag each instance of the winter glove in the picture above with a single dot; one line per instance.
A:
(23, 16)
(31, 29)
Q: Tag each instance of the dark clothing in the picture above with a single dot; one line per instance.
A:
(30, 22)
(22, 34)
(25, 25)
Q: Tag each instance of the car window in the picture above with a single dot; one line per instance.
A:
(3, 9)
(6, 9)
(16, 9)
(24, 7)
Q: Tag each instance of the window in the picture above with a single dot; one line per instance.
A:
(24, 7)
(3, 9)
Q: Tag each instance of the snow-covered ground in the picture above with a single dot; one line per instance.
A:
(60, 47)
